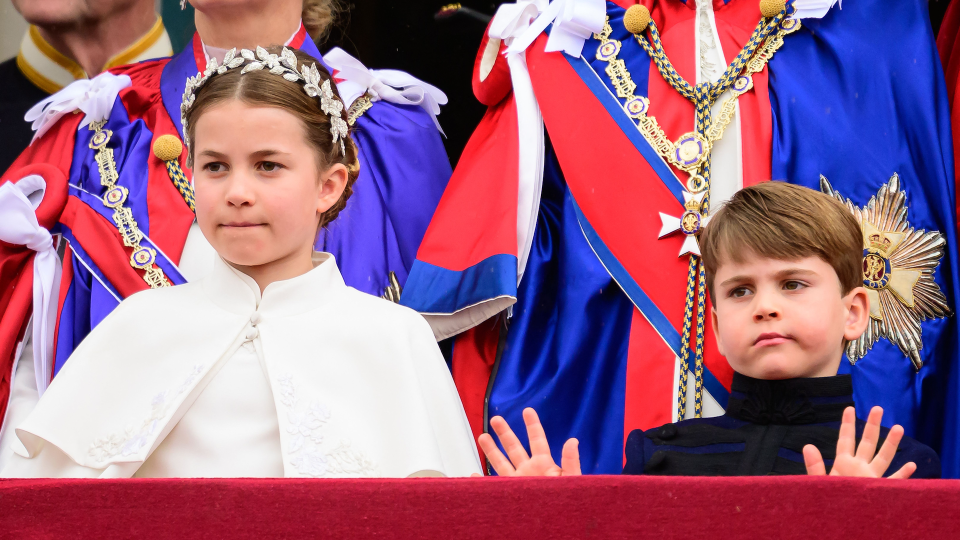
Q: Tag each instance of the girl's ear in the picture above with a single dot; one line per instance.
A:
(332, 183)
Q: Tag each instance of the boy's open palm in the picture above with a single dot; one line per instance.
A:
(860, 461)
(539, 462)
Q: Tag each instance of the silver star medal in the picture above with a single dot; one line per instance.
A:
(899, 263)
(690, 223)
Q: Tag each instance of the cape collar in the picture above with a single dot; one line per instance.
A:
(192, 59)
(238, 293)
(50, 70)
(790, 401)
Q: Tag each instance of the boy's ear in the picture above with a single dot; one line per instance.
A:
(332, 183)
(858, 313)
(716, 331)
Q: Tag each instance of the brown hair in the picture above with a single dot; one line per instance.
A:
(784, 221)
(266, 89)
(318, 17)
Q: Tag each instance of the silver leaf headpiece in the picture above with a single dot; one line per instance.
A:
(284, 65)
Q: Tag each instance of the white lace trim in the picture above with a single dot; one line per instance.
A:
(708, 44)
(305, 425)
(134, 438)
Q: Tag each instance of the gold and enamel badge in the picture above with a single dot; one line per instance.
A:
(690, 223)
(899, 263)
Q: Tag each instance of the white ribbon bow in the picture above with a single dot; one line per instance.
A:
(95, 97)
(355, 80)
(19, 226)
(813, 9)
(574, 21)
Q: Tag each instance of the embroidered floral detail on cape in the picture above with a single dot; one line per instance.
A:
(307, 450)
(134, 438)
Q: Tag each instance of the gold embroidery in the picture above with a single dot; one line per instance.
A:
(360, 106)
(393, 291)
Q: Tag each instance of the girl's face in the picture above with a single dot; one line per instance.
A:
(259, 191)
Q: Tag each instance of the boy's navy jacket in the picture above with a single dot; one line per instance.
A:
(764, 430)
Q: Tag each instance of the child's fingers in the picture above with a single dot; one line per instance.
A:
(887, 452)
(535, 434)
(511, 444)
(570, 458)
(846, 443)
(497, 460)
(813, 461)
(905, 472)
(871, 434)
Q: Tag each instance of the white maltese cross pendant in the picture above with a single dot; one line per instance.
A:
(690, 223)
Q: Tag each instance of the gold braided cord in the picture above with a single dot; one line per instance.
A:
(654, 48)
(142, 257)
(691, 152)
(685, 340)
(182, 184)
(701, 336)
(751, 59)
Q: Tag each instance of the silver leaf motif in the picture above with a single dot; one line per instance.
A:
(285, 65)
(289, 59)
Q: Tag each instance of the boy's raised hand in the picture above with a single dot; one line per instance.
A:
(540, 462)
(861, 463)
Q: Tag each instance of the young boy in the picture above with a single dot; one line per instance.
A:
(784, 272)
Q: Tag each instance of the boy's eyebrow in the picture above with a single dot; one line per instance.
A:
(736, 279)
(786, 272)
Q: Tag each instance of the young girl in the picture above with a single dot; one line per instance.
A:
(403, 172)
(273, 367)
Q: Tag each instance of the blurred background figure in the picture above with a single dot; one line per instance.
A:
(68, 40)
(434, 39)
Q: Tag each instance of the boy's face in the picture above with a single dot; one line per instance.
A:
(778, 319)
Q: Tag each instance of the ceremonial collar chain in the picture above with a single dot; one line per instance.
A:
(284, 65)
(691, 152)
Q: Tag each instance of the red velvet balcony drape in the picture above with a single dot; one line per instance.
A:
(586, 507)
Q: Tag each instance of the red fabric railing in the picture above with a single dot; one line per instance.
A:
(587, 507)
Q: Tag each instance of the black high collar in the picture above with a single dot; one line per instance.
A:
(790, 401)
